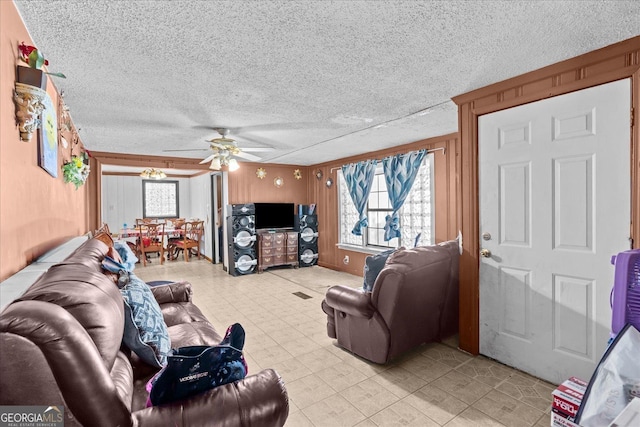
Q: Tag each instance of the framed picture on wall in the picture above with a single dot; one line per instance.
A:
(48, 139)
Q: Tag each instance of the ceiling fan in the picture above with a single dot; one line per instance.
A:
(225, 149)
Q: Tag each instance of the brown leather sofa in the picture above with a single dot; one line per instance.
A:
(414, 300)
(60, 345)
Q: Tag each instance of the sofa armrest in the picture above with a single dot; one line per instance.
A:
(172, 292)
(47, 356)
(257, 400)
(350, 300)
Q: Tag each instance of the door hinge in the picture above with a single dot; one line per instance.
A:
(632, 119)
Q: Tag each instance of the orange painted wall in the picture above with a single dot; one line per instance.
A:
(37, 211)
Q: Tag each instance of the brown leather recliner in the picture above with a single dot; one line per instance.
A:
(60, 345)
(414, 301)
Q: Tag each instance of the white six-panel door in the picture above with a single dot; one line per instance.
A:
(554, 183)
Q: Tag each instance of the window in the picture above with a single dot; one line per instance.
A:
(416, 214)
(160, 199)
(378, 207)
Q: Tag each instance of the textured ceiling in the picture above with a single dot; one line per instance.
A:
(315, 81)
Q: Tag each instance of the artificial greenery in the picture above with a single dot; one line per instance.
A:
(34, 58)
(76, 170)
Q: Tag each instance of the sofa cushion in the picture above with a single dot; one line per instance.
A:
(89, 254)
(193, 333)
(89, 297)
(145, 331)
(373, 264)
(175, 313)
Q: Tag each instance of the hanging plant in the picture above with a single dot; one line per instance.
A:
(76, 170)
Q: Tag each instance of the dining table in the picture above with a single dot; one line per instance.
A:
(131, 237)
(135, 232)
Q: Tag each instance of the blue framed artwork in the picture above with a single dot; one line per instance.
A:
(48, 139)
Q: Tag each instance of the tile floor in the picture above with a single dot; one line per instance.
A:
(433, 385)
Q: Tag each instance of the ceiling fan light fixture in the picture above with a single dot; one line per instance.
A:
(153, 173)
(233, 165)
(216, 165)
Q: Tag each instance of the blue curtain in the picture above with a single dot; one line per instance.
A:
(359, 177)
(399, 173)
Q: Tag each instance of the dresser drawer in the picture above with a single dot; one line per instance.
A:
(267, 251)
(292, 250)
(292, 240)
(292, 258)
(268, 243)
(269, 237)
(266, 261)
(278, 259)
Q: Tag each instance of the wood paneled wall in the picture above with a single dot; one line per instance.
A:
(618, 61)
(326, 199)
(246, 187)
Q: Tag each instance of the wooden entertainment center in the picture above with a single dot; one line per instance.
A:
(277, 247)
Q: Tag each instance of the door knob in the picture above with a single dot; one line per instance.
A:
(485, 253)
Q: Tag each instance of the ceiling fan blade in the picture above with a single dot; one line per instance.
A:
(248, 156)
(208, 159)
(188, 149)
(256, 149)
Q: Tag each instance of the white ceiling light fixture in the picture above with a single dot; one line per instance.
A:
(224, 160)
(216, 164)
(153, 173)
(224, 150)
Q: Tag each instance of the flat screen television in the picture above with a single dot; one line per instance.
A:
(274, 215)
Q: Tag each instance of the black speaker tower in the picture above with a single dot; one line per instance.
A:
(307, 226)
(241, 239)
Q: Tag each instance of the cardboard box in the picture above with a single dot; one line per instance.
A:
(567, 397)
(558, 420)
(564, 403)
(578, 382)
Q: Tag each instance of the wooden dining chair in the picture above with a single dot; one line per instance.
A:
(104, 228)
(146, 221)
(178, 226)
(150, 240)
(193, 231)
